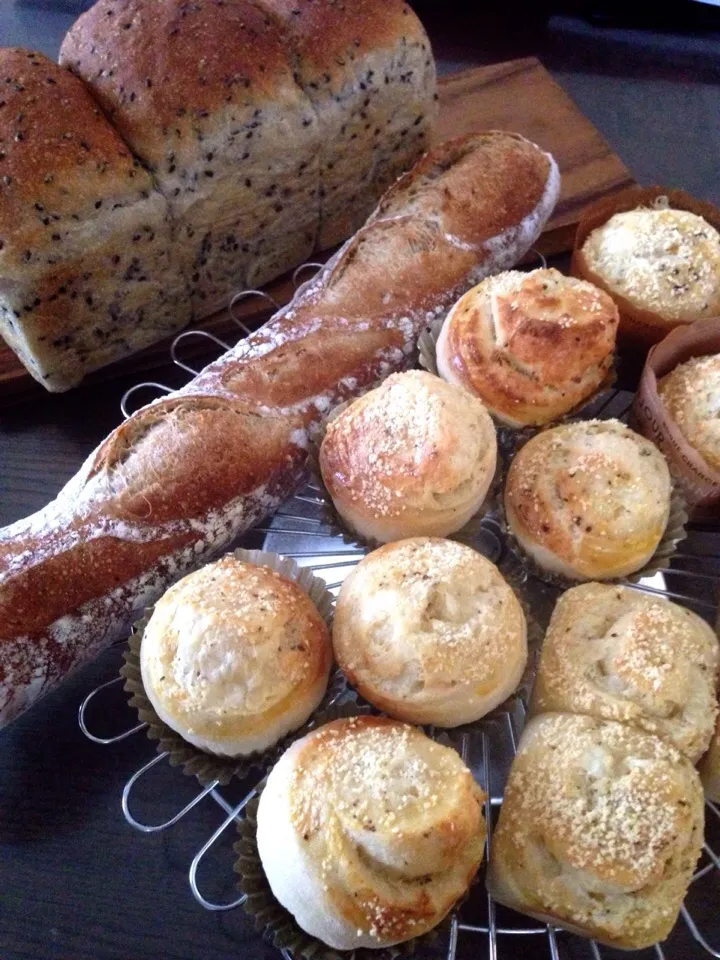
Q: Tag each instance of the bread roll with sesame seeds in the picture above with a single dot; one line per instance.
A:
(531, 345)
(710, 767)
(369, 832)
(430, 632)
(600, 830)
(661, 265)
(414, 457)
(588, 500)
(691, 395)
(234, 657)
(615, 653)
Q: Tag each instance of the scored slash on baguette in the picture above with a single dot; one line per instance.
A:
(184, 476)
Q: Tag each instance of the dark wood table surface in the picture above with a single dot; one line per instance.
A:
(76, 882)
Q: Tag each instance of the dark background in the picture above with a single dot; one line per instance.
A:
(76, 882)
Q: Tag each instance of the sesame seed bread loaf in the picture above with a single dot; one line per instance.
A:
(600, 830)
(691, 395)
(615, 653)
(234, 657)
(271, 127)
(430, 632)
(588, 500)
(184, 476)
(204, 94)
(88, 273)
(371, 82)
(414, 457)
(531, 346)
(369, 832)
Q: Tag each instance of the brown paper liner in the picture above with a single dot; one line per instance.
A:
(698, 480)
(674, 532)
(639, 327)
(427, 351)
(278, 925)
(208, 767)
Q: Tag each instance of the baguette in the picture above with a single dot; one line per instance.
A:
(179, 480)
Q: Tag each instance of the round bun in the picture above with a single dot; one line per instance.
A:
(589, 500)
(615, 653)
(369, 832)
(600, 830)
(710, 767)
(415, 457)
(661, 265)
(429, 631)
(234, 657)
(531, 346)
(691, 395)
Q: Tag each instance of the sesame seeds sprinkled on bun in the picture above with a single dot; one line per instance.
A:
(369, 832)
(415, 457)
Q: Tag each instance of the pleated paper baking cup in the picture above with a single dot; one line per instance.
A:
(207, 767)
(278, 926)
(427, 353)
(698, 479)
(675, 531)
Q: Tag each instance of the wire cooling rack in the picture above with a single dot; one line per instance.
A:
(480, 927)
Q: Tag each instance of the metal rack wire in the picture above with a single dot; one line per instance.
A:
(298, 531)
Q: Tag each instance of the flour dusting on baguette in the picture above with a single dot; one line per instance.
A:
(185, 475)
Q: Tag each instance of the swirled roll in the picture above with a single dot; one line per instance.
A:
(369, 832)
(589, 500)
(531, 346)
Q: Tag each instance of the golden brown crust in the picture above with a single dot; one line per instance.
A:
(709, 767)
(600, 830)
(643, 327)
(590, 499)
(415, 457)
(234, 656)
(147, 509)
(58, 156)
(615, 653)
(531, 346)
(369, 831)
(160, 69)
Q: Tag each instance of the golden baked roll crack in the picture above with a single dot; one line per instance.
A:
(589, 500)
(234, 657)
(615, 653)
(531, 346)
(600, 830)
(430, 632)
(414, 457)
(369, 832)
(691, 395)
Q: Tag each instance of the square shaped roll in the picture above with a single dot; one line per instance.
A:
(600, 830)
(86, 269)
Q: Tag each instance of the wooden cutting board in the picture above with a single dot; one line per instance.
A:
(519, 95)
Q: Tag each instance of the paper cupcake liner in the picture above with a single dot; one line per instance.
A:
(675, 531)
(427, 350)
(208, 767)
(278, 926)
(699, 481)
